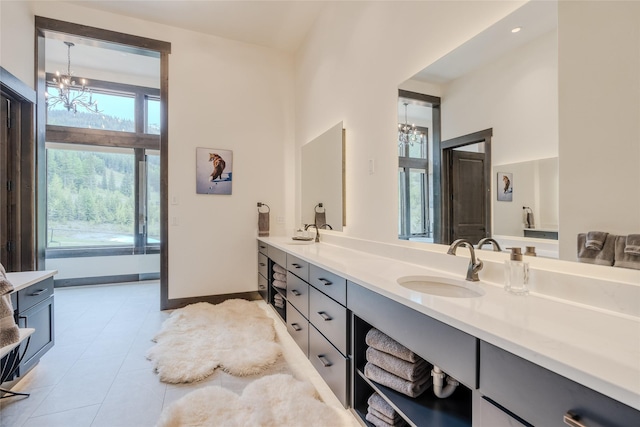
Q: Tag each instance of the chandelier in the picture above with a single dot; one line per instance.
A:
(70, 94)
(409, 134)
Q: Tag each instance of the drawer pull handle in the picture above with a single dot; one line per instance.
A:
(325, 316)
(262, 287)
(325, 362)
(296, 327)
(263, 247)
(295, 292)
(36, 293)
(572, 420)
(262, 264)
(325, 281)
(296, 265)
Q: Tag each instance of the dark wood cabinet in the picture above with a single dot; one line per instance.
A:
(33, 308)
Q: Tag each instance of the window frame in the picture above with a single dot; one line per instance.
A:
(139, 141)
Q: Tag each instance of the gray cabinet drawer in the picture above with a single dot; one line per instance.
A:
(298, 293)
(330, 364)
(39, 317)
(32, 295)
(329, 283)
(330, 318)
(298, 267)
(454, 351)
(262, 284)
(263, 265)
(542, 397)
(277, 256)
(262, 248)
(298, 328)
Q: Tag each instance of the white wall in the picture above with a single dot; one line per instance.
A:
(599, 44)
(516, 95)
(349, 69)
(70, 268)
(222, 94)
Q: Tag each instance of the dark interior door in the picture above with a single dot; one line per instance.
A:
(469, 196)
(5, 204)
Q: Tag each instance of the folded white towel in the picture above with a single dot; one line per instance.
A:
(632, 244)
(279, 284)
(278, 269)
(279, 276)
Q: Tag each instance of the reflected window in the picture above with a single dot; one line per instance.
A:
(117, 113)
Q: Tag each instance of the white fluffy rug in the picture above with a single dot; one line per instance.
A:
(236, 335)
(275, 400)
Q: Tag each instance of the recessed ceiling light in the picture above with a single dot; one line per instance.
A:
(516, 30)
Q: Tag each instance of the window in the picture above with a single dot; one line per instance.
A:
(415, 190)
(103, 174)
(90, 196)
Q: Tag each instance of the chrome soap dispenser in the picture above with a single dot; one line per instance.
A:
(516, 273)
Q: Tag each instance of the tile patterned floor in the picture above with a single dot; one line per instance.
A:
(97, 374)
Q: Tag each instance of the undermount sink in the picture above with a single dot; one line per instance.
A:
(299, 242)
(441, 286)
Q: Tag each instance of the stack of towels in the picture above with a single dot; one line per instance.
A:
(628, 251)
(393, 365)
(381, 414)
(279, 277)
(596, 247)
(278, 300)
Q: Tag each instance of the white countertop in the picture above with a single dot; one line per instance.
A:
(596, 348)
(23, 279)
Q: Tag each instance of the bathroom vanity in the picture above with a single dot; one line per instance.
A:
(533, 360)
(32, 301)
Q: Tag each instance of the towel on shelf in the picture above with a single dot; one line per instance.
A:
(406, 370)
(624, 259)
(9, 332)
(279, 276)
(279, 284)
(595, 240)
(409, 388)
(279, 269)
(379, 422)
(263, 223)
(278, 301)
(384, 343)
(387, 421)
(605, 256)
(632, 245)
(378, 403)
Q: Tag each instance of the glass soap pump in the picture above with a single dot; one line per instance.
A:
(516, 273)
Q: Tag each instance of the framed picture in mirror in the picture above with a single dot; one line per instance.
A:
(504, 186)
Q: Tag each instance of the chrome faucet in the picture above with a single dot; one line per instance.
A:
(494, 243)
(475, 264)
(317, 239)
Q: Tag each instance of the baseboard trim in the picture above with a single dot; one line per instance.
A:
(212, 299)
(103, 280)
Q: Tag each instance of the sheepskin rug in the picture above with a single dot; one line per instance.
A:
(274, 400)
(236, 335)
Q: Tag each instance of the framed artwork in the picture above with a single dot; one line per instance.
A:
(213, 171)
(504, 187)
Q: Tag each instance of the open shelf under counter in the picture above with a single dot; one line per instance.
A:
(425, 410)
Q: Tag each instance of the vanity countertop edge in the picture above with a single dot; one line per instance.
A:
(24, 279)
(593, 347)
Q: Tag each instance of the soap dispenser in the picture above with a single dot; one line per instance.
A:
(516, 273)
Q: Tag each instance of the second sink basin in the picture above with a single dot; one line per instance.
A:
(441, 286)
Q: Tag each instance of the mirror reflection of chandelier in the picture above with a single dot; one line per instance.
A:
(70, 94)
(409, 134)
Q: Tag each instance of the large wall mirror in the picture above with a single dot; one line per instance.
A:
(498, 108)
(323, 180)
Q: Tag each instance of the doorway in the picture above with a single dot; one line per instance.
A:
(115, 156)
(17, 190)
(466, 188)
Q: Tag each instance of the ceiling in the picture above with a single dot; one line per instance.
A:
(280, 25)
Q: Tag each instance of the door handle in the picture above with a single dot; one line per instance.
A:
(325, 362)
(572, 419)
(325, 281)
(296, 265)
(295, 292)
(296, 327)
(39, 292)
(325, 316)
